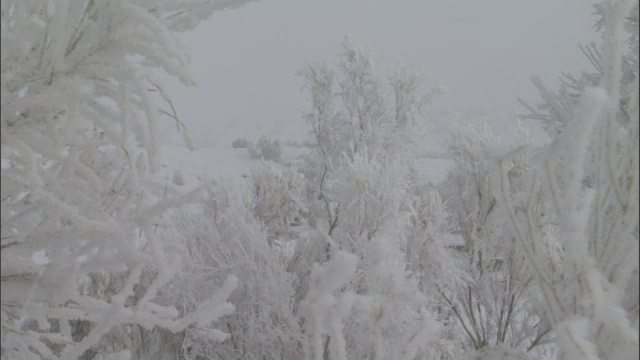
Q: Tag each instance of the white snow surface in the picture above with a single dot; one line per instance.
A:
(214, 157)
(236, 164)
(205, 162)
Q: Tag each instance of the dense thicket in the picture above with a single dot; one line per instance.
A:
(522, 253)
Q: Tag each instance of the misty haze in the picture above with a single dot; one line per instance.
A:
(321, 180)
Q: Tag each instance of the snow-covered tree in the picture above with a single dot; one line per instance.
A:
(221, 238)
(79, 113)
(358, 199)
(496, 307)
(582, 194)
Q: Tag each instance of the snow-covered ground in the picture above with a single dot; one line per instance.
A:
(214, 156)
(236, 164)
(204, 162)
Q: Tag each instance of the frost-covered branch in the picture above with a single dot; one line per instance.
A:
(79, 131)
(589, 185)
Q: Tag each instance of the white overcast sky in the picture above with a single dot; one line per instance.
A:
(484, 51)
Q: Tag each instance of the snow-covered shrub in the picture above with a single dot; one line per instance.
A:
(369, 194)
(78, 136)
(220, 238)
(397, 323)
(240, 143)
(385, 322)
(494, 308)
(266, 149)
(277, 198)
(430, 258)
(326, 307)
(428, 254)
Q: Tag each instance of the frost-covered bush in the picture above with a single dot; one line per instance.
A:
(433, 263)
(425, 244)
(241, 143)
(78, 136)
(326, 307)
(277, 198)
(266, 149)
(495, 307)
(397, 323)
(220, 238)
(369, 193)
(384, 322)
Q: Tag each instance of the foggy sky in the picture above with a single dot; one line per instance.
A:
(484, 51)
